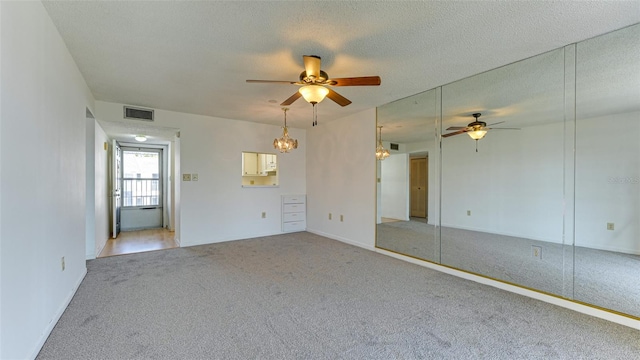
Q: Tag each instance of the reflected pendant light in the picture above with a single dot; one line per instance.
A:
(285, 143)
(381, 152)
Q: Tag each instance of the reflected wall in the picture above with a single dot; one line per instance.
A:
(549, 199)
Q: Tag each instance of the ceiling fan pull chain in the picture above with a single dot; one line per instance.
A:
(476, 145)
(315, 115)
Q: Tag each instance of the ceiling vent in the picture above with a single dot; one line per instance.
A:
(138, 113)
(394, 146)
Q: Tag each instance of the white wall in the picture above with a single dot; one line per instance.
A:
(44, 101)
(101, 189)
(513, 185)
(608, 182)
(341, 172)
(394, 185)
(216, 208)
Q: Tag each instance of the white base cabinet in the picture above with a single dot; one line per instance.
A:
(294, 213)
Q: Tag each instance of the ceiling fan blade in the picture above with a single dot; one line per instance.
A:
(455, 133)
(456, 127)
(488, 128)
(339, 99)
(273, 81)
(312, 65)
(355, 81)
(291, 99)
(496, 123)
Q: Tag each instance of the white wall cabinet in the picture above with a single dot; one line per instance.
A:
(294, 213)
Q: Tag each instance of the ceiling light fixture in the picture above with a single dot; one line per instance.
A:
(140, 138)
(285, 143)
(314, 94)
(381, 152)
(477, 134)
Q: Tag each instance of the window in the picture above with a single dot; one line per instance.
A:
(141, 180)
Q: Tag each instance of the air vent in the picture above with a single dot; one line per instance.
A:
(138, 113)
(394, 146)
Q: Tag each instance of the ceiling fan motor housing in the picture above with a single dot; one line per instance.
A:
(310, 80)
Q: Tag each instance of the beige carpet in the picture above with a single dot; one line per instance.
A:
(302, 296)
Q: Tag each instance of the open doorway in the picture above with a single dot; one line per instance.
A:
(419, 190)
(140, 213)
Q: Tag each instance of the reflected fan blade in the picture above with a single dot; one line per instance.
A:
(501, 128)
(339, 99)
(312, 65)
(355, 81)
(496, 123)
(456, 127)
(455, 133)
(273, 81)
(291, 99)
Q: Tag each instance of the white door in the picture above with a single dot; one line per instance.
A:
(116, 182)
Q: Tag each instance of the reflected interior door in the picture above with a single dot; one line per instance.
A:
(116, 184)
(418, 184)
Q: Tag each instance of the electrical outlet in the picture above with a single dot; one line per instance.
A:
(264, 214)
(194, 177)
(341, 218)
(610, 226)
(329, 216)
(468, 212)
(62, 263)
(536, 252)
(186, 177)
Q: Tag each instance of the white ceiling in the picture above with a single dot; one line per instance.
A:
(194, 57)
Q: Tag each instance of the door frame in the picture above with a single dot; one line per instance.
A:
(166, 179)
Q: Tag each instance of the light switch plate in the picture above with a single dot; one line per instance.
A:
(186, 177)
(194, 177)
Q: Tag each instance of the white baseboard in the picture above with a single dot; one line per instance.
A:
(341, 239)
(568, 304)
(56, 317)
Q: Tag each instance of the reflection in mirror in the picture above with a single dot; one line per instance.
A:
(502, 206)
(405, 190)
(551, 199)
(259, 169)
(607, 177)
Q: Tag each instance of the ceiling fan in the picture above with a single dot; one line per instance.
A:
(476, 129)
(314, 84)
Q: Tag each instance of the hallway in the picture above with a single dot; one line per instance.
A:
(129, 242)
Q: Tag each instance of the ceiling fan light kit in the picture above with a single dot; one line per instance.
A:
(476, 129)
(314, 82)
(313, 93)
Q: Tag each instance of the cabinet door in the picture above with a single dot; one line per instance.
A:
(250, 163)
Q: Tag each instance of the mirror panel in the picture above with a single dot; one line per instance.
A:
(406, 191)
(502, 196)
(552, 205)
(607, 187)
(259, 169)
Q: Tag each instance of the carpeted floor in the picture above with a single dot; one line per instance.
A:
(603, 278)
(303, 296)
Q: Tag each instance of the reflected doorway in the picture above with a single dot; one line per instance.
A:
(419, 180)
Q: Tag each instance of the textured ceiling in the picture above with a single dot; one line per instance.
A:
(194, 57)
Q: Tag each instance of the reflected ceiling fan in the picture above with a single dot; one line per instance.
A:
(314, 84)
(476, 129)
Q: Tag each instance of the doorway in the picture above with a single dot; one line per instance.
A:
(418, 183)
(141, 189)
